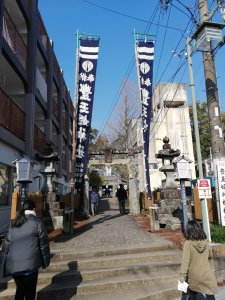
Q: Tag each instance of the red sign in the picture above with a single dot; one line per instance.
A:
(204, 183)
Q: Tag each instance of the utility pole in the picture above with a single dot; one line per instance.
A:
(204, 208)
(217, 138)
(194, 108)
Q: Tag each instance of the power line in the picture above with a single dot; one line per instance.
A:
(164, 38)
(129, 69)
(125, 15)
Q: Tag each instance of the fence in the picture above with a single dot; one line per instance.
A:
(65, 200)
(211, 203)
(36, 197)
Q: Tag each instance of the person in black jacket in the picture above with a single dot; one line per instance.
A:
(25, 250)
(121, 194)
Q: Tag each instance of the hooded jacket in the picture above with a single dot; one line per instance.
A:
(195, 266)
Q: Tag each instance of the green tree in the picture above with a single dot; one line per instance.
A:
(95, 179)
(223, 122)
(97, 142)
(204, 129)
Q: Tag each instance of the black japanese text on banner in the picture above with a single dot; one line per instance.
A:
(145, 57)
(88, 56)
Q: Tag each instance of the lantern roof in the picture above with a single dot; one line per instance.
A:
(22, 158)
(182, 157)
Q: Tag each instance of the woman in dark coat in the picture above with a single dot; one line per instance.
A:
(25, 250)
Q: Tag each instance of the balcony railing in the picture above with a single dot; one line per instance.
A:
(63, 161)
(39, 139)
(54, 107)
(42, 32)
(71, 108)
(41, 84)
(64, 124)
(14, 39)
(12, 117)
(56, 68)
(26, 3)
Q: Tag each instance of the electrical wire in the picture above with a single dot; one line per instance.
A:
(128, 72)
(133, 65)
(168, 65)
(162, 48)
(124, 15)
(188, 9)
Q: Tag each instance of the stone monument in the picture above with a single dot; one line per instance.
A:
(170, 206)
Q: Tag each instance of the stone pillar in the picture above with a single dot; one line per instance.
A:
(86, 196)
(133, 199)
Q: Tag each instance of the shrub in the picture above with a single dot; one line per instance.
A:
(217, 233)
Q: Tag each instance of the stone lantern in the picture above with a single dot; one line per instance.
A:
(169, 212)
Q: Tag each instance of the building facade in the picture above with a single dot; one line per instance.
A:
(35, 104)
(170, 117)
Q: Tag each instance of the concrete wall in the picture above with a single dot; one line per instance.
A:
(171, 119)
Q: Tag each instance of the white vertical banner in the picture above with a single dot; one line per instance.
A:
(221, 187)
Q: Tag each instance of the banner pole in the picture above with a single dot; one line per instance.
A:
(73, 159)
(139, 93)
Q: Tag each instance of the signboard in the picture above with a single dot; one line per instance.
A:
(183, 169)
(204, 188)
(221, 187)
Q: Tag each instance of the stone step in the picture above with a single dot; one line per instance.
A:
(165, 291)
(152, 269)
(46, 277)
(125, 283)
(67, 254)
(116, 260)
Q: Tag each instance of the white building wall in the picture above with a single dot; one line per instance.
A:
(171, 119)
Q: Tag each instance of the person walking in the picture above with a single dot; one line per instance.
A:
(94, 201)
(121, 194)
(25, 249)
(195, 267)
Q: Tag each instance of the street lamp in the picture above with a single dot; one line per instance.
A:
(208, 36)
(183, 173)
(24, 170)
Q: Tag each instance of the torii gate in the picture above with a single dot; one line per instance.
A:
(108, 159)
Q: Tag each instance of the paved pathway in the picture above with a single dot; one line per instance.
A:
(108, 230)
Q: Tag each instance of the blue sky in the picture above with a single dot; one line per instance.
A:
(115, 21)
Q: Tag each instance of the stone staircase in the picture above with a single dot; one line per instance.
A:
(136, 274)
